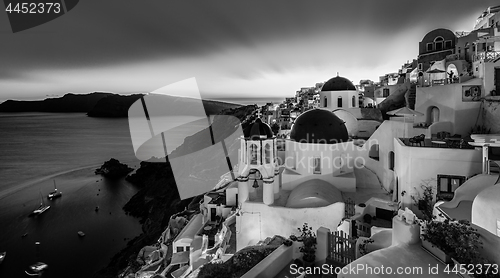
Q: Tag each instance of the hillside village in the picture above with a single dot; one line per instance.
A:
(343, 175)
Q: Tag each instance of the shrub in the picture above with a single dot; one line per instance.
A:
(308, 247)
(425, 201)
(457, 239)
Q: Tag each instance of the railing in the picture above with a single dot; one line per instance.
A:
(444, 81)
(487, 56)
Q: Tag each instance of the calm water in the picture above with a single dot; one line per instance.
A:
(37, 148)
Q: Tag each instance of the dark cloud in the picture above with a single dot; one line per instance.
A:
(99, 34)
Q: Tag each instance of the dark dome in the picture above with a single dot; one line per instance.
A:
(319, 126)
(258, 130)
(338, 84)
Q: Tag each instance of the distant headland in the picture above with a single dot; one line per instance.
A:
(99, 104)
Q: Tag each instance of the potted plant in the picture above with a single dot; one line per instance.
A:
(455, 239)
(308, 247)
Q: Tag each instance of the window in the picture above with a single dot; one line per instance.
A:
(353, 104)
(268, 153)
(439, 46)
(447, 185)
(385, 92)
(253, 154)
(391, 160)
(180, 249)
(420, 66)
(339, 102)
(430, 46)
(447, 44)
(326, 102)
(317, 165)
(373, 153)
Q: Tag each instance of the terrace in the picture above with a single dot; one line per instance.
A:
(444, 81)
(448, 142)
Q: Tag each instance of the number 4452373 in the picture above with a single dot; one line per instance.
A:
(33, 8)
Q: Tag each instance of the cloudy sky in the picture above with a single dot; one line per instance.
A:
(235, 49)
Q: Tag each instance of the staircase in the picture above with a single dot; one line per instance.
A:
(412, 96)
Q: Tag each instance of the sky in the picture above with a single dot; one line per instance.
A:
(234, 49)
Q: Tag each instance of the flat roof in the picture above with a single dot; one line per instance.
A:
(180, 258)
(192, 227)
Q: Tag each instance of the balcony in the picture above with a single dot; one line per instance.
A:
(442, 81)
(448, 143)
(487, 56)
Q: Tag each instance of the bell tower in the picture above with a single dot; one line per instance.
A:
(257, 163)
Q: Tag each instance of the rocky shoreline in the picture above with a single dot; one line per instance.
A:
(158, 199)
(113, 169)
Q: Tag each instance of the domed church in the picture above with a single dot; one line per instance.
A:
(280, 190)
(339, 92)
(341, 96)
(319, 149)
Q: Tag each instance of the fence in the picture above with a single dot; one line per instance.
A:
(341, 248)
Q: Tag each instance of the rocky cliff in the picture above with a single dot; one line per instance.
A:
(113, 106)
(158, 198)
(67, 104)
(117, 106)
(99, 104)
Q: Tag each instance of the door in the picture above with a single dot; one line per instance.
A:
(213, 214)
(435, 115)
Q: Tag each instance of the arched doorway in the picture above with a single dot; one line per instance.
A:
(451, 71)
(432, 114)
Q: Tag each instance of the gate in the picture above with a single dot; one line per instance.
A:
(341, 248)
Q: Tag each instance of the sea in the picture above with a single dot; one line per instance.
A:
(38, 150)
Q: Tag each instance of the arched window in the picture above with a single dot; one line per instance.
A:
(353, 101)
(339, 102)
(317, 165)
(438, 43)
(374, 150)
(253, 154)
(326, 102)
(268, 153)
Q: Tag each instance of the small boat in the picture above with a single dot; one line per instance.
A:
(36, 268)
(42, 208)
(81, 234)
(2, 256)
(54, 194)
(25, 235)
